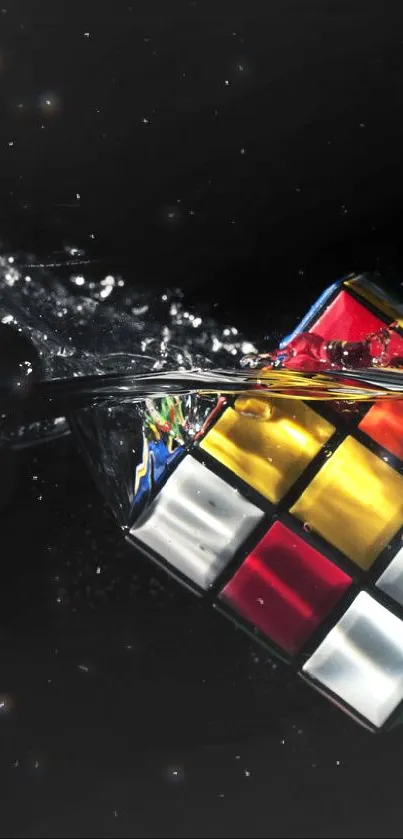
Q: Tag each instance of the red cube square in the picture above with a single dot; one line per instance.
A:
(384, 423)
(346, 319)
(285, 588)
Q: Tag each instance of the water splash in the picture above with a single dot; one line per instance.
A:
(81, 326)
(86, 327)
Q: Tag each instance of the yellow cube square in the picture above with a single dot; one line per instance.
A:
(355, 502)
(268, 443)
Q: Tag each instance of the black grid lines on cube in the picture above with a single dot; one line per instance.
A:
(271, 511)
(316, 541)
(368, 304)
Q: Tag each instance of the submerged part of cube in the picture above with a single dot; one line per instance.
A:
(384, 424)
(355, 501)
(361, 660)
(292, 522)
(196, 523)
(285, 588)
(271, 454)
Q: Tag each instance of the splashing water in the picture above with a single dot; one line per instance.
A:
(83, 327)
(80, 327)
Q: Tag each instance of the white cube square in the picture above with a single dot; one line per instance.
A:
(361, 660)
(197, 522)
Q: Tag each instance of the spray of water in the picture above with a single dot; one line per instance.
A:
(126, 363)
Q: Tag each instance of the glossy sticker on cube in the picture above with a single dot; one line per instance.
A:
(361, 660)
(197, 522)
(285, 587)
(384, 424)
(346, 319)
(269, 454)
(355, 502)
(391, 581)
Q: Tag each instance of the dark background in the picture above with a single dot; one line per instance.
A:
(127, 710)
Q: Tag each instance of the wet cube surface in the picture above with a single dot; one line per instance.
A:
(285, 587)
(197, 522)
(361, 660)
(347, 319)
(331, 503)
(376, 296)
(355, 502)
(269, 455)
(384, 424)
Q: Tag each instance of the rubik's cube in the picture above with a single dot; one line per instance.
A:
(288, 516)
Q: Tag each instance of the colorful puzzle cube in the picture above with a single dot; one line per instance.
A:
(288, 516)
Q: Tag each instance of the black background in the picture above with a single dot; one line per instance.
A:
(129, 711)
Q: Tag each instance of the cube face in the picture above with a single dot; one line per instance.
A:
(346, 317)
(361, 660)
(349, 319)
(196, 523)
(285, 588)
(384, 424)
(355, 502)
(371, 292)
(282, 511)
(271, 454)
